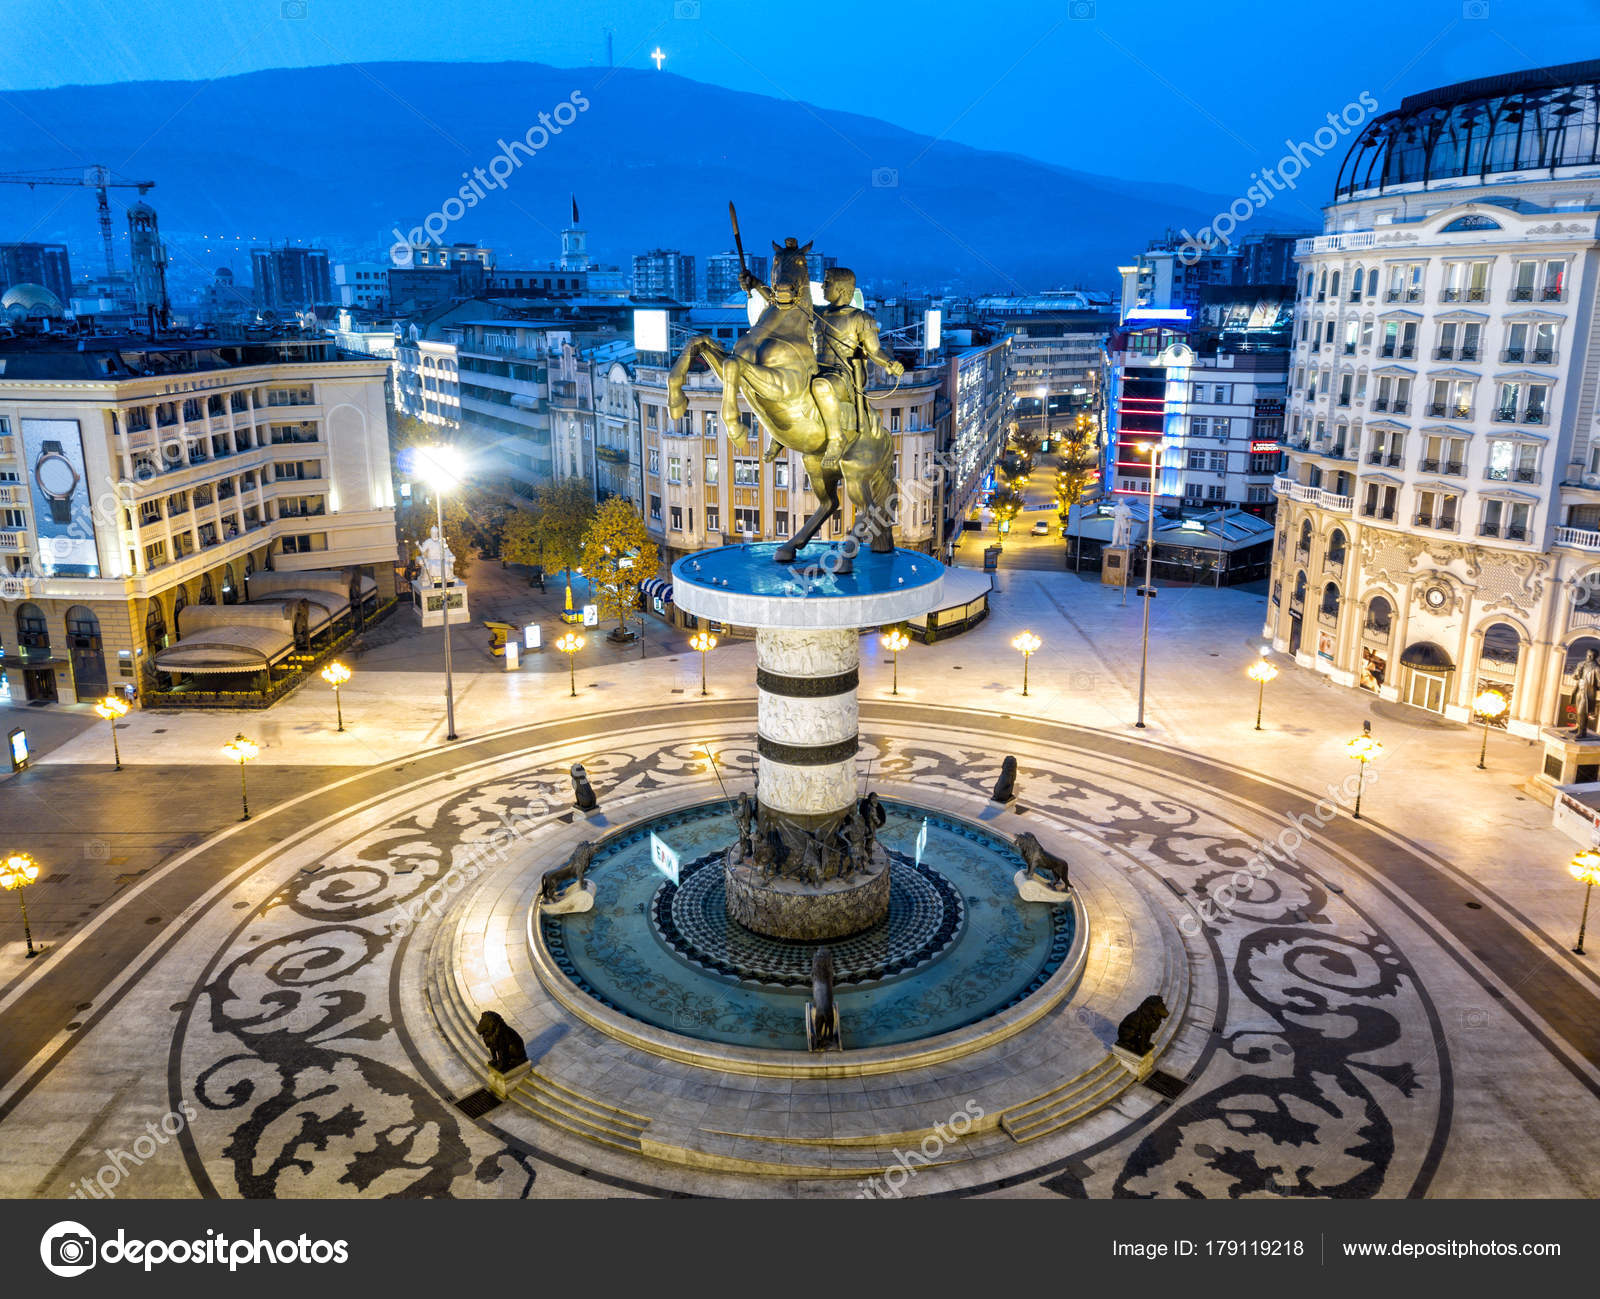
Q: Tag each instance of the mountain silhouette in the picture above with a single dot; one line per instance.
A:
(344, 155)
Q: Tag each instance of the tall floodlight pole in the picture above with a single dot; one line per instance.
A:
(1148, 590)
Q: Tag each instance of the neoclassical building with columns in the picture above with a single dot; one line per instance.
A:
(1439, 509)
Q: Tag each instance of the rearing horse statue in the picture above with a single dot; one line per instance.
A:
(819, 410)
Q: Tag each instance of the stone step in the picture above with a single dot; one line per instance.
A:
(542, 1104)
(561, 1096)
(732, 1152)
(1055, 1109)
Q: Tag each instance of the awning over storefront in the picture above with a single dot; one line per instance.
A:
(655, 588)
(235, 648)
(322, 606)
(1425, 654)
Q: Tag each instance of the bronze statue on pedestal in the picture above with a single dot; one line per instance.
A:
(817, 409)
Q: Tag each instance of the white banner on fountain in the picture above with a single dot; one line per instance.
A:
(663, 858)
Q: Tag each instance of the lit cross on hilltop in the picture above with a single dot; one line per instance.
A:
(658, 56)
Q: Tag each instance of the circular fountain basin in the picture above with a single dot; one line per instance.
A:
(956, 947)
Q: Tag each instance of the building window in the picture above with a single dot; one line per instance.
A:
(780, 522)
(651, 417)
(653, 457)
(713, 518)
(780, 475)
(747, 521)
(1539, 281)
(713, 471)
(676, 515)
(655, 508)
(674, 469)
(746, 472)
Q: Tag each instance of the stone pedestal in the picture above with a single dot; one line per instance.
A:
(1567, 761)
(783, 907)
(1114, 561)
(429, 601)
(1140, 1066)
(502, 1083)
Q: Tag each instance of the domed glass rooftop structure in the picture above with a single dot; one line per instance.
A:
(1537, 120)
(31, 300)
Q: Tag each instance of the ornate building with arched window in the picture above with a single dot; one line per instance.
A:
(1439, 512)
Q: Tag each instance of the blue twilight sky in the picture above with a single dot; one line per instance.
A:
(1090, 84)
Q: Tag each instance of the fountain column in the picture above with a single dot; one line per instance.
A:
(808, 618)
(806, 737)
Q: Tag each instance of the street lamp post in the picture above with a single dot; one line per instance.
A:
(1363, 749)
(17, 872)
(111, 708)
(1027, 642)
(1585, 868)
(1261, 672)
(704, 642)
(440, 466)
(1148, 590)
(1488, 705)
(241, 750)
(895, 640)
(569, 645)
(336, 674)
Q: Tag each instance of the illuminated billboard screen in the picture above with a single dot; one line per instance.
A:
(650, 331)
(52, 450)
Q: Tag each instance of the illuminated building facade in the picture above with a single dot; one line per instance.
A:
(1439, 516)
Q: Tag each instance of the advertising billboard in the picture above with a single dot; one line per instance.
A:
(52, 450)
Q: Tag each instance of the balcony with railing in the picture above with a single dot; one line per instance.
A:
(1578, 538)
(1318, 496)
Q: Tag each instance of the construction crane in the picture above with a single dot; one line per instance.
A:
(97, 178)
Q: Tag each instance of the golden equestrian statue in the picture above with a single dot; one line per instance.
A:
(816, 407)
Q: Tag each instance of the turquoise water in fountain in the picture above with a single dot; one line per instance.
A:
(994, 948)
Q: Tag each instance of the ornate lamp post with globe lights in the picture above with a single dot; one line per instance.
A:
(1027, 642)
(1488, 705)
(895, 640)
(570, 644)
(1364, 749)
(703, 642)
(1585, 868)
(336, 674)
(112, 709)
(1261, 672)
(241, 750)
(17, 872)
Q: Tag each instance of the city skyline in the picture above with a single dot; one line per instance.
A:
(629, 652)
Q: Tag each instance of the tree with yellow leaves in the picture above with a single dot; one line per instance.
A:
(618, 554)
